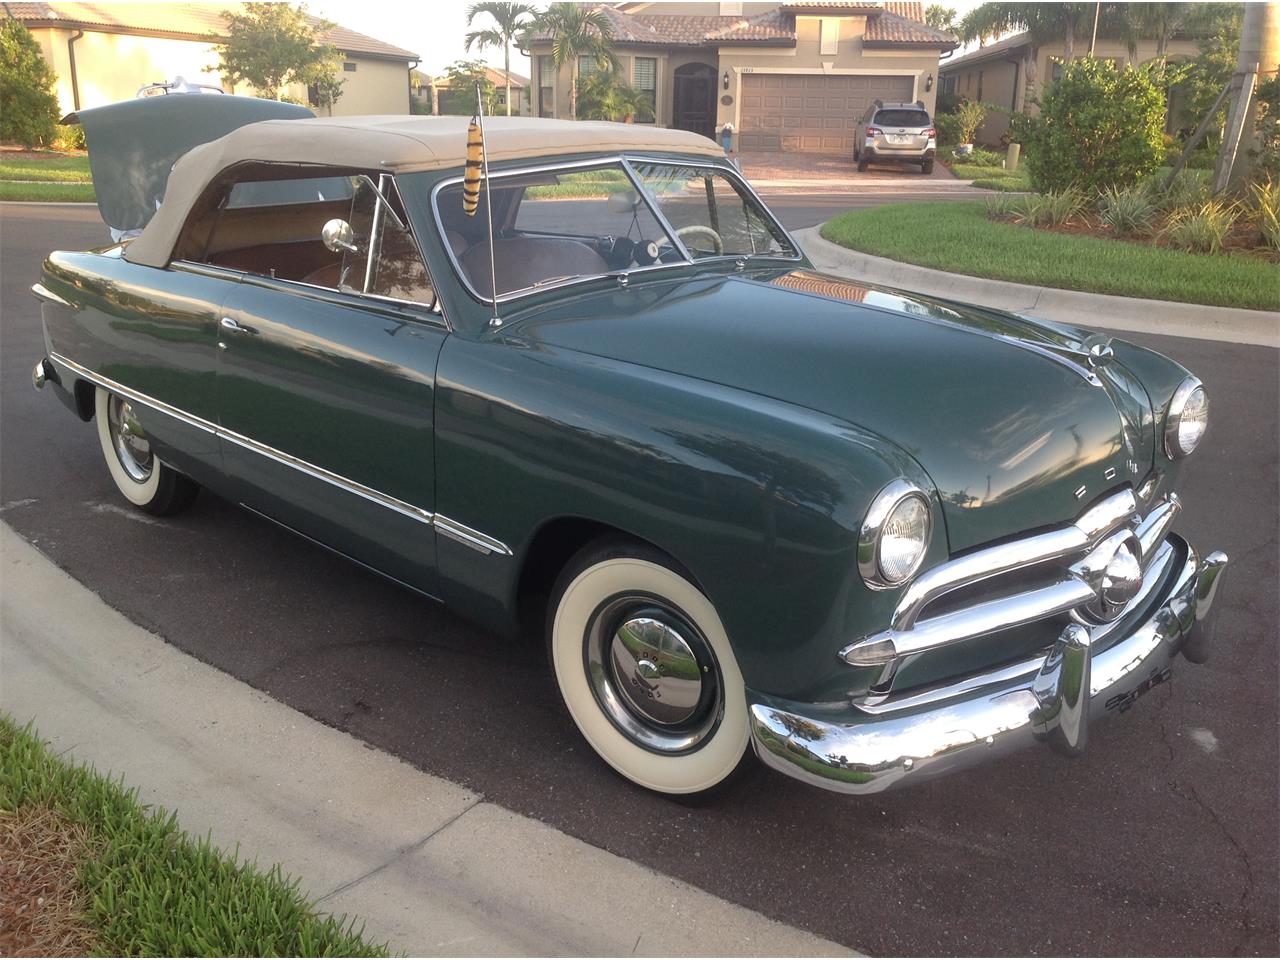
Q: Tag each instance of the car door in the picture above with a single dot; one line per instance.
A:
(326, 386)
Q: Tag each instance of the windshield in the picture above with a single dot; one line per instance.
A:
(561, 225)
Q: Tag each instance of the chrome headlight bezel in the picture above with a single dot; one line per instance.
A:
(893, 496)
(1173, 418)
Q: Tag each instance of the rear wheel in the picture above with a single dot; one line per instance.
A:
(139, 474)
(862, 162)
(645, 669)
(926, 167)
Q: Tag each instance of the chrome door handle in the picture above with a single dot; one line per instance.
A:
(228, 324)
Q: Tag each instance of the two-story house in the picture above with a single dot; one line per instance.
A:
(787, 76)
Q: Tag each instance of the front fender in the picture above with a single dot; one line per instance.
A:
(761, 500)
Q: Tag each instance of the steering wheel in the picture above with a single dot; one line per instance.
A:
(697, 229)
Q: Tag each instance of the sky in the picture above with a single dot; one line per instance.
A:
(435, 30)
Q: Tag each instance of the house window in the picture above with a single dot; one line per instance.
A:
(830, 32)
(979, 84)
(546, 86)
(644, 77)
(587, 66)
(948, 86)
(349, 67)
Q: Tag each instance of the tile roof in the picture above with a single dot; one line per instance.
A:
(888, 24)
(890, 28)
(494, 74)
(195, 21)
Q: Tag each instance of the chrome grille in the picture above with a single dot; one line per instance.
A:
(1033, 578)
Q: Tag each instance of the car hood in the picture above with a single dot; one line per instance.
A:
(1005, 414)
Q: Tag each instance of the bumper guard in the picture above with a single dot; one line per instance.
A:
(851, 750)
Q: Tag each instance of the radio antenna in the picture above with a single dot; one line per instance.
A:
(495, 320)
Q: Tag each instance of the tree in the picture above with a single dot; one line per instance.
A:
(272, 45)
(1152, 21)
(1043, 22)
(940, 17)
(577, 31)
(464, 77)
(603, 95)
(510, 21)
(28, 108)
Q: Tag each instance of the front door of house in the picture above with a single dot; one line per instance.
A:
(694, 96)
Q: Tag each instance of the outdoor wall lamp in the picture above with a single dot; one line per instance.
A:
(726, 80)
(928, 83)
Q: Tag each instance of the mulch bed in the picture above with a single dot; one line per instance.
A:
(42, 905)
(1243, 239)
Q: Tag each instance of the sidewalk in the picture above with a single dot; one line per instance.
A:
(1228, 324)
(425, 863)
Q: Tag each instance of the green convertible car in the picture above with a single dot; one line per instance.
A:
(867, 535)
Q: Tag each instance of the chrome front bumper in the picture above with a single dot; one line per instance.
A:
(868, 749)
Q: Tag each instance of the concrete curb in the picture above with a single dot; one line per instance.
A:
(1257, 327)
(425, 863)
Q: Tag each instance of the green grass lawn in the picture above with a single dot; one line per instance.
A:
(55, 167)
(62, 192)
(146, 888)
(992, 178)
(958, 237)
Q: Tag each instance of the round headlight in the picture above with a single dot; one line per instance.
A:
(895, 535)
(1187, 419)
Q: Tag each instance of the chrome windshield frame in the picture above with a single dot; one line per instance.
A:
(624, 161)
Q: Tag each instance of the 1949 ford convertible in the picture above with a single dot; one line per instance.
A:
(872, 535)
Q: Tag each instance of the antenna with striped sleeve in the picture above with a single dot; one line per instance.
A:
(477, 169)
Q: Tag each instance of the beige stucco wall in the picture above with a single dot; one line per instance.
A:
(112, 66)
(998, 76)
(851, 57)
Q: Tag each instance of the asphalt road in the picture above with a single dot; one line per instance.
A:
(1161, 840)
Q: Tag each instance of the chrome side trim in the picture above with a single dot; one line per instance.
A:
(42, 292)
(474, 539)
(85, 373)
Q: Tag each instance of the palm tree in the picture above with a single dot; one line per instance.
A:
(510, 20)
(577, 31)
(602, 95)
(1043, 23)
(1153, 21)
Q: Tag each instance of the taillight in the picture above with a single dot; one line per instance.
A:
(874, 132)
(931, 133)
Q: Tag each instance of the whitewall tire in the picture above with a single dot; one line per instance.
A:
(140, 476)
(645, 669)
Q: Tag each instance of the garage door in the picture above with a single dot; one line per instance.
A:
(815, 114)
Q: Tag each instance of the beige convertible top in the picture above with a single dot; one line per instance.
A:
(392, 143)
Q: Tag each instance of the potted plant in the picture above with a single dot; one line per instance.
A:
(971, 113)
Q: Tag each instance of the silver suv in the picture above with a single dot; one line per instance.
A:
(895, 133)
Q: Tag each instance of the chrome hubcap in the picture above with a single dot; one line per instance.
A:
(133, 450)
(653, 673)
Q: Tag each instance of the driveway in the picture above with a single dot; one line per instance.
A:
(818, 167)
(1160, 840)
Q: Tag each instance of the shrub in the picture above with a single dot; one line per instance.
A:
(1201, 229)
(1190, 188)
(1002, 205)
(948, 127)
(1266, 211)
(1128, 211)
(28, 108)
(70, 137)
(1097, 127)
(1051, 209)
(984, 158)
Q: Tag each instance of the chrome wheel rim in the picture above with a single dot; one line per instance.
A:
(653, 673)
(129, 440)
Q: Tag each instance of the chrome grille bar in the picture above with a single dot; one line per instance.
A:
(1069, 588)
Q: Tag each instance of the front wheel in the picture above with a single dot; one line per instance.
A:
(139, 474)
(645, 669)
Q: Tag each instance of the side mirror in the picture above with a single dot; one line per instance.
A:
(338, 236)
(624, 201)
